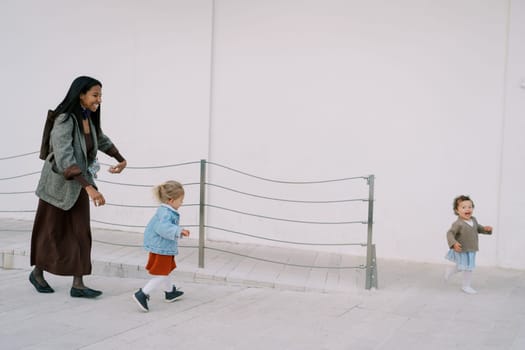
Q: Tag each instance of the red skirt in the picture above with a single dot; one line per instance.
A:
(160, 264)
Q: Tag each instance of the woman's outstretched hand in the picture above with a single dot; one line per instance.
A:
(116, 169)
(97, 197)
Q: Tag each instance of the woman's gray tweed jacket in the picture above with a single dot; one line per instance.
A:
(68, 158)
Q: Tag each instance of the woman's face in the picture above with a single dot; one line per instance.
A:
(91, 100)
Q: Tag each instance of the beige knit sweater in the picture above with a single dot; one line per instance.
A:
(466, 235)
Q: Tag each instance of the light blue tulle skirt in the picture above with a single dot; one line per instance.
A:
(465, 261)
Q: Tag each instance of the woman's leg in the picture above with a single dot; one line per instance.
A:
(78, 282)
(40, 285)
(36, 277)
(39, 276)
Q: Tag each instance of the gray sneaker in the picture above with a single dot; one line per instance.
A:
(174, 294)
(142, 300)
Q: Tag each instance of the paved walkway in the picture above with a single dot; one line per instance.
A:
(241, 303)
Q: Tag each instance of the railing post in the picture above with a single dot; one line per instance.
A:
(202, 202)
(371, 263)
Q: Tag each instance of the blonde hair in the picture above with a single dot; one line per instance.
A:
(168, 190)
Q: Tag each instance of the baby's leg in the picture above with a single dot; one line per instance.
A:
(451, 270)
(467, 280)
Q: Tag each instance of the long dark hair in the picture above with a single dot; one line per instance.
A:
(70, 104)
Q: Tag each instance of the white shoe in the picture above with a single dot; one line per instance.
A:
(469, 290)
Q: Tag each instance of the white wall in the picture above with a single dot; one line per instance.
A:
(425, 95)
(408, 90)
(154, 63)
(511, 219)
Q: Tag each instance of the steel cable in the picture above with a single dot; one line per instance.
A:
(287, 182)
(19, 155)
(287, 263)
(156, 166)
(19, 176)
(283, 241)
(288, 200)
(287, 220)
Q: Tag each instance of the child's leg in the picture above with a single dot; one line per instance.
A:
(451, 270)
(167, 284)
(153, 284)
(467, 280)
(470, 263)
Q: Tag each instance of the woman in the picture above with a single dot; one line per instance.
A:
(61, 238)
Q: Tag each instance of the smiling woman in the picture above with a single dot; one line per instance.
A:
(61, 238)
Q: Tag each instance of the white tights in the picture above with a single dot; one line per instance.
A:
(158, 281)
(467, 275)
(467, 278)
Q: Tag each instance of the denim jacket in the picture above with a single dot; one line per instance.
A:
(163, 232)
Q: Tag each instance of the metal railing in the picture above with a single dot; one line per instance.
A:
(204, 205)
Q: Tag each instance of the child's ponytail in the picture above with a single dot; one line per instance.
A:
(168, 190)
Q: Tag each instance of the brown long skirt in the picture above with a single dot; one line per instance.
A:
(61, 239)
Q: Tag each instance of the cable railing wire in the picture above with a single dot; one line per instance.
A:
(18, 155)
(19, 176)
(284, 241)
(129, 225)
(18, 211)
(20, 192)
(287, 263)
(135, 245)
(140, 185)
(286, 182)
(156, 166)
(288, 200)
(14, 230)
(144, 206)
(287, 220)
